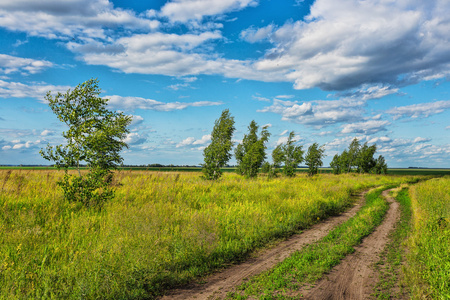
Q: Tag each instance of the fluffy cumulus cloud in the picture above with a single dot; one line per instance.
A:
(191, 141)
(319, 112)
(186, 10)
(133, 103)
(422, 110)
(344, 44)
(341, 45)
(84, 19)
(11, 64)
(21, 90)
(134, 138)
(366, 127)
(19, 145)
(151, 53)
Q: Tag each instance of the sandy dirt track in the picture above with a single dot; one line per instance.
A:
(354, 277)
(218, 285)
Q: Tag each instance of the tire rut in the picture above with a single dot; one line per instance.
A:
(355, 277)
(219, 284)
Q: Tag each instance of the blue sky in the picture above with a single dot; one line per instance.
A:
(329, 70)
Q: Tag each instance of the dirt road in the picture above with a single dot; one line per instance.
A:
(354, 277)
(218, 285)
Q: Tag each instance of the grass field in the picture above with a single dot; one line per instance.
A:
(161, 230)
(391, 171)
(428, 259)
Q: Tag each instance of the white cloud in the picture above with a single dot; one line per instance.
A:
(136, 120)
(12, 64)
(186, 142)
(17, 145)
(421, 140)
(35, 90)
(262, 99)
(132, 103)
(367, 127)
(368, 92)
(153, 53)
(205, 139)
(191, 141)
(83, 19)
(422, 110)
(344, 44)
(134, 138)
(186, 10)
(47, 132)
(319, 112)
(253, 35)
(284, 132)
(283, 139)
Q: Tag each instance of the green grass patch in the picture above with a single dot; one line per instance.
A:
(161, 230)
(428, 260)
(310, 263)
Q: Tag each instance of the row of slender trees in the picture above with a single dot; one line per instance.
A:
(96, 135)
(251, 154)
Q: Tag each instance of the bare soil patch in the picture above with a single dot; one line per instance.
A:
(218, 285)
(355, 277)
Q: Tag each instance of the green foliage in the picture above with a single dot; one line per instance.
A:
(314, 158)
(335, 164)
(269, 169)
(95, 136)
(380, 166)
(428, 258)
(250, 154)
(365, 160)
(289, 154)
(358, 158)
(217, 154)
(162, 230)
(352, 155)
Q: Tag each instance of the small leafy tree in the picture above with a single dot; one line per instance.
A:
(314, 158)
(250, 154)
(365, 159)
(289, 154)
(352, 155)
(95, 136)
(217, 154)
(380, 166)
(344, 162)
(335, 164)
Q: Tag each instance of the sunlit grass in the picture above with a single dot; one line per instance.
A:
(428, 259)
(161, 230)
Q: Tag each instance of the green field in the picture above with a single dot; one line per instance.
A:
(392, 171)
(161, 230)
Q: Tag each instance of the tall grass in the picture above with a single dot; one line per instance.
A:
(161, 230)
(428, 260)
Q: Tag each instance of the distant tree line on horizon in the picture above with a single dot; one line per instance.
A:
(251, 155)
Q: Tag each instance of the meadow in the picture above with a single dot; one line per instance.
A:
(162, 229)
(428, 257)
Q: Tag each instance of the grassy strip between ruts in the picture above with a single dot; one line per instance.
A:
(390, 284)
(309, 264)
